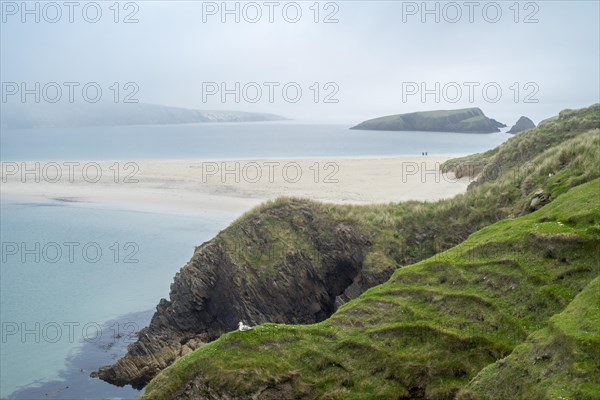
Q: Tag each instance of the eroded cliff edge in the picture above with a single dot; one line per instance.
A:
(289, 262)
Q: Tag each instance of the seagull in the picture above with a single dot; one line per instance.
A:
(243, 328)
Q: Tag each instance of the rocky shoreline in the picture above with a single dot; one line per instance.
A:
(218, 287)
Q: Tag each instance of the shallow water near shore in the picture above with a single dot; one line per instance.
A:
(55, 306)
(74, 381)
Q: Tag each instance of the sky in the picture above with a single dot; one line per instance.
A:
(339, 61)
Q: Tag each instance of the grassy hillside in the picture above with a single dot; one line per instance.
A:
(434, 325)
(520, 151)
(560, 361)
(427, 331)
(536, 166)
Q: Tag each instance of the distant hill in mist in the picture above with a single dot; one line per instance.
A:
(18, 116)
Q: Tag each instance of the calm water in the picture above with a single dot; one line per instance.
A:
(205, 141)
(54, 309)
(55, 301)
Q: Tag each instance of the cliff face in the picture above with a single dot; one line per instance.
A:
(247, 273)
(522, 124)
(467, 120)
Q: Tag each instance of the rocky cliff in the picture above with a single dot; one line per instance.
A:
(291, 261)
(467, 120)
(288, 263)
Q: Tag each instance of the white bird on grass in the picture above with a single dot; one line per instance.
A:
(244, 328)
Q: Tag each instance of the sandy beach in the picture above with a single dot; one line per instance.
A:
(230, 186)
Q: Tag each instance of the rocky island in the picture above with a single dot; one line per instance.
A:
(466, 120)
(522, 124)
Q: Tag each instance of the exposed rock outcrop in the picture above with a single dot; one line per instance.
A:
(250, 273)
(522, 124)
(467, 120)
(539, 199)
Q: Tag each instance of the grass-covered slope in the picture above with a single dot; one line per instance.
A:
(423, 334)
(538, 149)
(434, 325)
(560, 361)
(515, 178)
(295, 261)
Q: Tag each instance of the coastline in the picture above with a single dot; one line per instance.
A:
(179, 187)
(230, 186)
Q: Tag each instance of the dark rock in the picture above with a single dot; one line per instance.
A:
(522, 124)
(217, 288)
(539, 199)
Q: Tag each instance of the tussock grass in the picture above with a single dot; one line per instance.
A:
(430, 329)
(488, 270)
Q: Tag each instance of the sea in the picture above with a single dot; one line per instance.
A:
(77, 282)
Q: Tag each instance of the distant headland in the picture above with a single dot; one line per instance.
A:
(467, 120)
(22, 116)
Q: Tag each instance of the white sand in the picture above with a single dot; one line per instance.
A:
(230, 186)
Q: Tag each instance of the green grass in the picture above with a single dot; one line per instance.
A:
(433, 327)
(529, 151)
(430, 329)
(405, 233)
(560, 361)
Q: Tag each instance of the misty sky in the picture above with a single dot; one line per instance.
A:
(369, 53)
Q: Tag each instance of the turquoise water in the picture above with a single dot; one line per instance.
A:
(72, 295)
